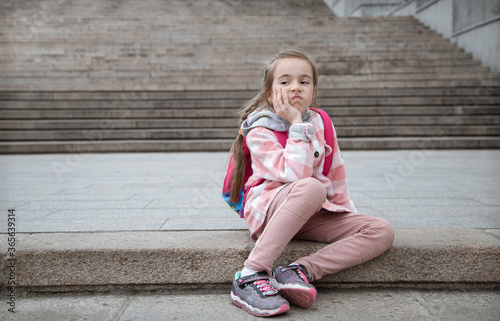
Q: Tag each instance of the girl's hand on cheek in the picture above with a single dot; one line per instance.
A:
(283, 108)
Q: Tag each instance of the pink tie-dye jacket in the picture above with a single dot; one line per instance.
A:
(303, 156)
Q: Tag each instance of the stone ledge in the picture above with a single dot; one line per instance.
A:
(193, 259)
(224, 144)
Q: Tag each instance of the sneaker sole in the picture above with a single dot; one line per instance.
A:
(298, 295)
(256, 311)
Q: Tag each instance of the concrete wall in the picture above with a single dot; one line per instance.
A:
(483, 43)
(438, 15)
(472, 25)
(337, 7)
(361, 8)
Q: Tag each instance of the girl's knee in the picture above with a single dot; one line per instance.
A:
(309, 195)
(313, 186)
(385, 231)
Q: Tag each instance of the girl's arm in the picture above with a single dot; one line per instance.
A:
(273, 162)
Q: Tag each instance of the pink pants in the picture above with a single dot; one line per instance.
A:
(296, 213)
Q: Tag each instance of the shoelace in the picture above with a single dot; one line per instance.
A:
(302, 275)
(265, 287)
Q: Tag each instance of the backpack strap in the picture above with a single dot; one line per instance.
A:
(282, 137)
(329, 138)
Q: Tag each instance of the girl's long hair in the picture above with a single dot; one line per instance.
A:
(260, 100)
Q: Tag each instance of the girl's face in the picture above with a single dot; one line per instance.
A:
(295, 75)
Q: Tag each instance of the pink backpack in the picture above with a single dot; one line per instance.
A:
(282, 138)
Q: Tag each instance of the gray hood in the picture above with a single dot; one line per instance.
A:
(268, 119)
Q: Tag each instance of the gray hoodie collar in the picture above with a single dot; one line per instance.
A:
(267, 118)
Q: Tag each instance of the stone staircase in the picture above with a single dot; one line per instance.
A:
(165, 76)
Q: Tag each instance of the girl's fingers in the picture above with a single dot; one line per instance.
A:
(284, 98)
(281, 105)
(277, 99)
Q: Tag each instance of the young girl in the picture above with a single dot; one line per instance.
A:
(295, 201)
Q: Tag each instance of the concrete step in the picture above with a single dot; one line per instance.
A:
(116, 113)
(231, 63)
(120, 124)
(117, 21)
(357, 110)
(226, 48)
(408, 84)
(410, 101)
(349, 67)
(409, 110)
(451, 120)
(219, 36)
(215, 43)
(220, 54)
(185, 109)
(183, 106)
(233, 83)
(229, 133)
(82, 78)
(116, 146)
(221, 99)
(420, 143)
(144, 84)
(95, 144)
(128, 97)
(39, 124)
(417, 131)
(219, 30)
(229, 54)
(225, 82)
(419, 258)
(184, 72)
(353, 65)
(120, 134)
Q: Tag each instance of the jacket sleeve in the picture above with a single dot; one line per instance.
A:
(273, 162)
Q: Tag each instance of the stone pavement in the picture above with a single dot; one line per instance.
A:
(136, 227)
(340, 305)
(415, 189)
